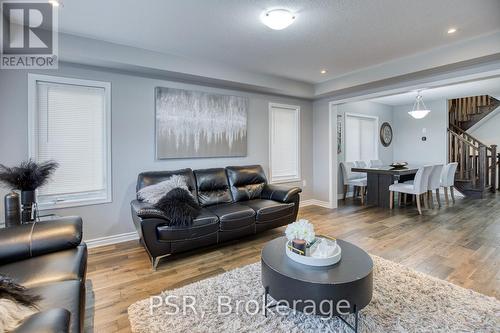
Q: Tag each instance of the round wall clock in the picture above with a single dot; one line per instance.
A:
(386, 134)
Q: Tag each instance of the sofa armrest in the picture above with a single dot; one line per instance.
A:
(50, 321)
(280, 193)
(35, 239)
(145, 210)
(147, 219)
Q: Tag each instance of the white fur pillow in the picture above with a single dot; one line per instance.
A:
(12, 314)
(153, 193)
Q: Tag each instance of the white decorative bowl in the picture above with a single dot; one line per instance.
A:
(311, 261)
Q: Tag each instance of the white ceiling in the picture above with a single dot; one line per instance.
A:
(475, 88)
(340, 35)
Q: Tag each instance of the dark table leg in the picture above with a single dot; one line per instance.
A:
(378, 189)
(372, 195)
(265, 301)
(384, 181)
(356, 321)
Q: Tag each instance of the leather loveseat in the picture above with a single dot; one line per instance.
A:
(50, 260)
(236, 201)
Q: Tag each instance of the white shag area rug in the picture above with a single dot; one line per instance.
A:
(403, 301)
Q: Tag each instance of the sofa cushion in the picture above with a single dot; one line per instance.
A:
(205, 223)
(233, 216)
(267, 210)
(212, 186)
(63, 294)
(246, 182)
(57, 266)
(49, 321)
(154, 177)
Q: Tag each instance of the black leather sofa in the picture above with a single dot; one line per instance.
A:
(50, 260)
(237, 201)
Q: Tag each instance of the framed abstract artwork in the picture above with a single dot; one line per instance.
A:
(193, 124)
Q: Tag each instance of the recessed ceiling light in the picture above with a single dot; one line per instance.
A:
(277, 19)
(452, 30)
(323, 71)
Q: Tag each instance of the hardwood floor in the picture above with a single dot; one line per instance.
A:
(459, 243)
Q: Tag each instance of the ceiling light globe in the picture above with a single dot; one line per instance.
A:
(419, 114)
(277, 19)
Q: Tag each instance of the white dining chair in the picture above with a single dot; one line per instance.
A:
(420, 186)
(376, 163)
(448, 180)
(360, 164)
(352, 179)
(435, 184)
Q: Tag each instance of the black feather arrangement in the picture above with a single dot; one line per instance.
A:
(179, 207)
(17, 293)
(28, 176)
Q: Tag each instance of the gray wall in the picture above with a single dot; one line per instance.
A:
(408, 132)
(384, 114)
(133, 138)
(320, 150)
(488, 129)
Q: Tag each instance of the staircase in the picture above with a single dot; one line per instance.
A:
(478, 163)
(467, 111)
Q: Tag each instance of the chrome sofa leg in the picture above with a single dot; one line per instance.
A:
(156, 260)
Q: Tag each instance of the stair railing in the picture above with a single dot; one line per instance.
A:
(461, 109)
(477, 162)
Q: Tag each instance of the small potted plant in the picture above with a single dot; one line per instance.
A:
(301, 235)
(26, 178)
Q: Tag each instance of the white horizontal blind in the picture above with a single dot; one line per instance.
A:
(360, 138)
(71, 129)
(284, 147)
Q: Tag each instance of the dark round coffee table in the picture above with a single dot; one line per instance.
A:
(348, 285)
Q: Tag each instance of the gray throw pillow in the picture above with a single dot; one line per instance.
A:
(153, 193)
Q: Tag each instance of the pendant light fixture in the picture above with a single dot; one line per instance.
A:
(419, 110)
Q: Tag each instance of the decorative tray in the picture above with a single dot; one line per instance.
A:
(309, 260)
(399, 165)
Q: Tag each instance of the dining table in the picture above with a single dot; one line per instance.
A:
(380, 178)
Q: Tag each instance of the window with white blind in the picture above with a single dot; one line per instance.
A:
(70, 123)
(361, 139)
(284, 134)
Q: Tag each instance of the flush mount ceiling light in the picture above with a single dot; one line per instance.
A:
(452, 31)
(419, 110)
(323, 71)
(277, 19)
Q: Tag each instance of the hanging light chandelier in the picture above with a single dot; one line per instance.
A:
(419, 110)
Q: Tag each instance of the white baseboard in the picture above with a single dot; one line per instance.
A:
(315, 202)
(109, 240)
(304, 203)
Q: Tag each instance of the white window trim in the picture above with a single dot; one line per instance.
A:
(299, 176)
(376, 134)
(82, 199)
